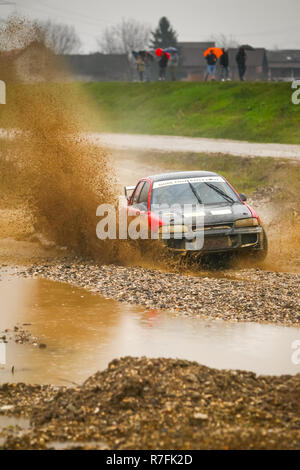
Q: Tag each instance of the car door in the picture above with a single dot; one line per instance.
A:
(133, 203)
(138, 206)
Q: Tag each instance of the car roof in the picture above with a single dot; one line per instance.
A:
(180, 174)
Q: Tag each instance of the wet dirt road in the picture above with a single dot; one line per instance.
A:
(166, 143)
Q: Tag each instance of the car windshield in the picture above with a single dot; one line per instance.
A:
(193, 191)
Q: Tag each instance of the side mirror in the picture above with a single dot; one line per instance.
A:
(128, 190)
(243, 197)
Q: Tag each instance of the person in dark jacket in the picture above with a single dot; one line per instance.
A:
(140, 64)
(224, 64)
(148, 59)
(163, 62)
(173, 65)
(241, 58)
(211, 60)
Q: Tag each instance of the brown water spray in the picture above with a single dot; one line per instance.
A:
(61, 176)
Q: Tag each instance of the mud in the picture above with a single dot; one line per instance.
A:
(140, 403)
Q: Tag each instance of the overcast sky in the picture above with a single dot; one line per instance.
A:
(265, 23)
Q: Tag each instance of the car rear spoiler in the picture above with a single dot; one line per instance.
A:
(128, 191)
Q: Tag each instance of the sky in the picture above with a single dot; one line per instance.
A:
(261, 23)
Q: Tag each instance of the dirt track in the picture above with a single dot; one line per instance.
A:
(171, 143)
(166, 143)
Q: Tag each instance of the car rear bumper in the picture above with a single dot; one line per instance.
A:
(217, 241)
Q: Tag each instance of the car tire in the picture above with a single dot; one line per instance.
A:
(260, 255)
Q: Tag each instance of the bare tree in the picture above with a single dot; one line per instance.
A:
(124, 37)
(224, 41)
(61, 38)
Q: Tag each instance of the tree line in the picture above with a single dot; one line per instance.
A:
(121, 38)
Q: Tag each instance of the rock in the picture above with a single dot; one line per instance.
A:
(6, 407)
(200, 416)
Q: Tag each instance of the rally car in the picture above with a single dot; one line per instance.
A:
(226, 223)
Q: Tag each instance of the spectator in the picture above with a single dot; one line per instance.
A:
(163, 62)
(211, 60)
(140, 67)
(241, 58)
(148, 59)
(224, 63)
(173, 64)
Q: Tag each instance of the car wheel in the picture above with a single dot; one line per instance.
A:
(260, 255)
(217, 260)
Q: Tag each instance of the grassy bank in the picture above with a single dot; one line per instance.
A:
(261, 112)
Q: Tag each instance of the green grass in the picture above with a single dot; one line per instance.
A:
(261, 112)
(258, 112)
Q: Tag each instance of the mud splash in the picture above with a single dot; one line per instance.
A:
(53, 178)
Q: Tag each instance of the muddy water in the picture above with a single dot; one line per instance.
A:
(9, 421)
(12, 425)
(83, 332)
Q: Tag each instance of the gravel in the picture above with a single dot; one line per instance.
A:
(240, 295)
(141, 403)
(20, 335)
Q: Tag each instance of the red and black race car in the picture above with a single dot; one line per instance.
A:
(227, 222)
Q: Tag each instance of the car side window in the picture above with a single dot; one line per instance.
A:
(143, 197)
(137, 192)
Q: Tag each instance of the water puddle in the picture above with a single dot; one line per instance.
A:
(10, 425)
(83, 332)
(93, 445)
(13, 422)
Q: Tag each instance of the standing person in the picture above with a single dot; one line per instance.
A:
(140, 64)
(163, 62)
(148, 59)
(211, 60)
(241, 58)
(173, 64)
(224, 63)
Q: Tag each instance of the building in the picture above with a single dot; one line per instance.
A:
(31, 64)
(284, 65)
(256, 63)
(98, 67)
(36, 63)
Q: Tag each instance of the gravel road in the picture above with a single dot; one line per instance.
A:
(167, 143)
(245, 295)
